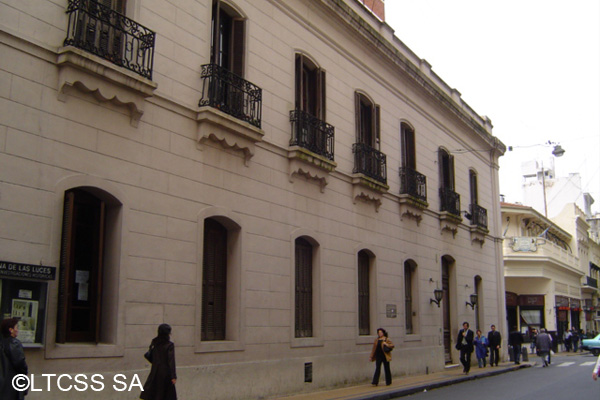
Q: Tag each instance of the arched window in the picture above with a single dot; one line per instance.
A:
(310, 87)
(88, 266)
(410, 272)
(367, 121)
(227, 44)
(408, 155)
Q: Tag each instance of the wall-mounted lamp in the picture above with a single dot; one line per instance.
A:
(438, 294)
(473, 302)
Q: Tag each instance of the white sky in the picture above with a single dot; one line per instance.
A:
(532, 66)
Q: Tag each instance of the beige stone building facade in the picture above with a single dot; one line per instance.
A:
(551, 269)
(275, 179)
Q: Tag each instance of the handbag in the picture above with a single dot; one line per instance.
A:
(148, 355)
(387, 348)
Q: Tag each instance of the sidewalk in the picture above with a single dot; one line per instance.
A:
(404, 386)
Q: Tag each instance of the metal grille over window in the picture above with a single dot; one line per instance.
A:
(312, 134)
(103, 30)
(231, 94)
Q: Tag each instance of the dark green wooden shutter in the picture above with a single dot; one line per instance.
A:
(363, 294)
(214, 281)
(304, 292)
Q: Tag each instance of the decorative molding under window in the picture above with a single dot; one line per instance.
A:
(449, 222)
(368, 189)
(228, 131)
(107, 82)
(478, 234)
(305, 163)
(412, 207)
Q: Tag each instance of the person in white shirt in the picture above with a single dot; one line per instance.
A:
(596, 369)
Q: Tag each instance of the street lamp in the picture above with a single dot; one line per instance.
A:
(438, 294)
(473, 302)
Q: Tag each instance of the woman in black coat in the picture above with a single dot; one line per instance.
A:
(160, 384)
(15, 358)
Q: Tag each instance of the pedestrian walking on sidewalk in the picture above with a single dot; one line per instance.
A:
(515, 339)
(543, 344)
(382, 354)
(494, 343)
(13, 360)
(163, 376)
(532, 337)
(575, 339)
(464, 343)
(481, 348)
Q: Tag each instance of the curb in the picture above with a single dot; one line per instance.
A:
(395, 393)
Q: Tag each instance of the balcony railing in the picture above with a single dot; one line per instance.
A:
(450, 201)
(312, 134)
(478, 216)
(591, 282)
(232, 94)
(369, 162)
(413, 183)
(98, 29)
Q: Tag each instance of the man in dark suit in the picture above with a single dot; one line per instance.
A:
(495, 342)
(515, 339)
(464, 343)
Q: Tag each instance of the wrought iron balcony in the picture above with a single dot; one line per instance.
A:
(478, 216)
(450, 201)
(591, 282)
(413, 183)
(97, 29)
(232, 94)
(312, 134)
(369, 162)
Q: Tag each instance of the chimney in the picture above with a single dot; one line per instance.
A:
(377, 7)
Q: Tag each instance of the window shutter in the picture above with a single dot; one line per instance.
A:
(363, 294)
(237, 51)
(321, 95)
(66, 261)
(377, 128)
(216, 22)
(303, 315)
(451, 171)
(473, 179)
(408, 272)
(97, 296)
(214, 281)
(299, 77)
(359, 133)
(408, 147)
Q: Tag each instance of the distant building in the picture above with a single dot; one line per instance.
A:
(543, 190)
(551, 269)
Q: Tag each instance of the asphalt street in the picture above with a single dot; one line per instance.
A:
(567, 377)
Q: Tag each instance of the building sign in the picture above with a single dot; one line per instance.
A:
(390, 310)
(524, 243)
(27, 271)
(561, 302)
(511, 299)
(531, 300)
(575, 304)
